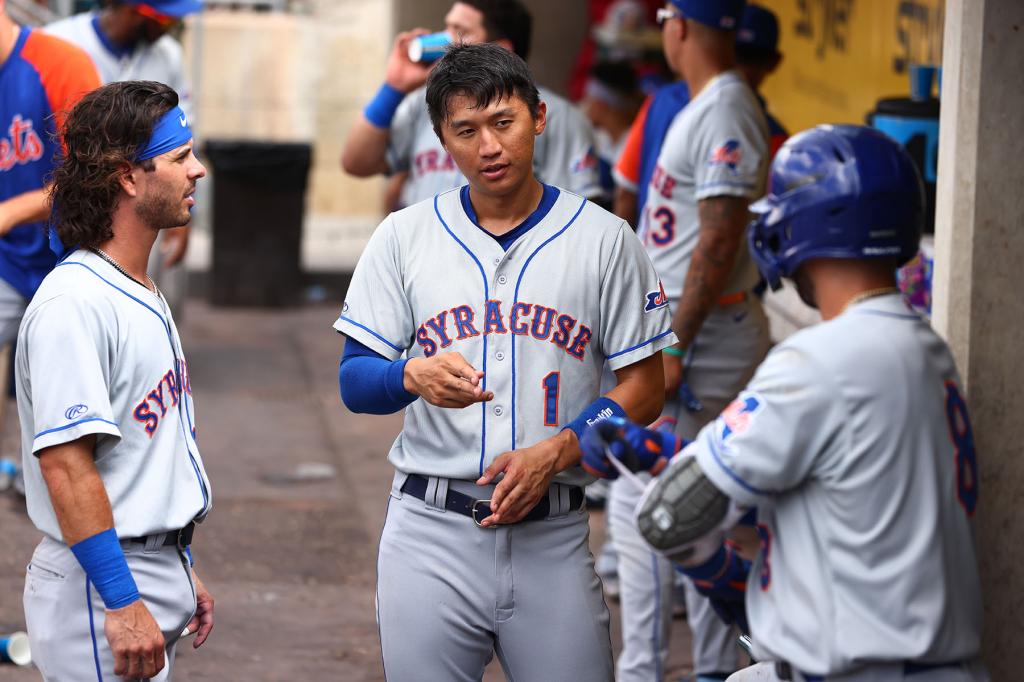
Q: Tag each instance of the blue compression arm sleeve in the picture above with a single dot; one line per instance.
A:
(103, 560)
(370, 383)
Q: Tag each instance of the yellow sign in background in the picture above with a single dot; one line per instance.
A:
(841, 56)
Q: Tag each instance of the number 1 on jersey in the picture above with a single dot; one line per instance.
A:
(550, 385)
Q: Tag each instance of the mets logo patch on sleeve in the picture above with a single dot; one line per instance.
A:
(739, 415)
(728, 155)
(656, 299)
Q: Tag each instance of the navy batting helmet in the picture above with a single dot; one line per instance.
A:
(838, 191)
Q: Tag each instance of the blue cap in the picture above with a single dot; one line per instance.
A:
(759, 29)
(171, 8)
(722, 14)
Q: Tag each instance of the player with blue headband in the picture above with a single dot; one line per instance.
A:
(113, 476)
(170, 132)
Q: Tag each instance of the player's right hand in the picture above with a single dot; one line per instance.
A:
(638, 448)
(135, 640)
(402, 73)
(445, 380)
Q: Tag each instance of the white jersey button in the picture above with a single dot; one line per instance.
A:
(498, 411)
(502, 279)
(497, 261)
(499, 355)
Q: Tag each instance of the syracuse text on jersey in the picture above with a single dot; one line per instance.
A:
(525, 319)
(150, 417)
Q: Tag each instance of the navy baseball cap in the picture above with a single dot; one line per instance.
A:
(722, 14)
(759, 29)
(171, 8)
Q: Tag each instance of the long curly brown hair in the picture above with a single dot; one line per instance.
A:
(102, 135)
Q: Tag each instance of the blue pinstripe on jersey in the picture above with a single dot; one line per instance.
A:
(515, 301)
(92, 632)
(483, 276)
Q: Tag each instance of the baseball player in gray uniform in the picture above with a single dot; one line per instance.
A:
(712, 164)
(867, 569)
(395, 134)
(113, 477)
(488, 312)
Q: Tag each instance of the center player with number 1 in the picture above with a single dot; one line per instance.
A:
(488, 312)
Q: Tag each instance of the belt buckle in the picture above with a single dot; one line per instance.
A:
(473, 510)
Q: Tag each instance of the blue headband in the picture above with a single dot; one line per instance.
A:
(170, 132)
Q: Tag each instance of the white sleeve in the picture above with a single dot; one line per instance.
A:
(635, 318)
(404, 127)
(731, 150)
(770, 438)
(65, 350)
(565, 155)
(377, 312)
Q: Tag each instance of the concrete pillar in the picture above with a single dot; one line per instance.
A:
(979, 304)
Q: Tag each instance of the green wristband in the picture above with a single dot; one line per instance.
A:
(672, 350)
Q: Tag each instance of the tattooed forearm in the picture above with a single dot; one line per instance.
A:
(723, 221)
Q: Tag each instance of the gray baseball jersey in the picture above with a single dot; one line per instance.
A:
(564, 154)
(572, 293)
(854, 443)
(99, 354)
(161, 61)
(540, 320)
(716, 146)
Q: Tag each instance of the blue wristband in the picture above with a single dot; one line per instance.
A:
(103, 560)
(383, 106)
(599, 410)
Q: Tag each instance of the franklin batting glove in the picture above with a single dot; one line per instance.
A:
(636, 447)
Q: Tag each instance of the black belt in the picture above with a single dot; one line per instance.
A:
(784, 671)
(173, 538)
(478, 510)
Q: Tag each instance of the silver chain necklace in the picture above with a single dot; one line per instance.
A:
(117, 266)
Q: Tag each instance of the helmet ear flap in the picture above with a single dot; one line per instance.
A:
(764, 243)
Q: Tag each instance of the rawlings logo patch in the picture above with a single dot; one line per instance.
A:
(656, 299)
(75, 411)
(739, 415)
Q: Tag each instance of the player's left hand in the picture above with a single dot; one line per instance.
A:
(638, 448)
(202, 622)
(528, 474)
(174, 244)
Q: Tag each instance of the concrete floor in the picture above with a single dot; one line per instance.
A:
(289, 560)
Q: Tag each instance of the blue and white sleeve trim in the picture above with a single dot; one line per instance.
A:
(58, 435)
(640, 351)
(368, 337)
(725, 478)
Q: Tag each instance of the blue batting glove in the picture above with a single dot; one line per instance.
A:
(638, 448)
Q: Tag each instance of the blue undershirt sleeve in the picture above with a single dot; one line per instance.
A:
(370, 383)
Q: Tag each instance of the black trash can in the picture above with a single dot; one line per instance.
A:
(259, 191)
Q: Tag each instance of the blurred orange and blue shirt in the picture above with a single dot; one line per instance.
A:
(40, 81)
